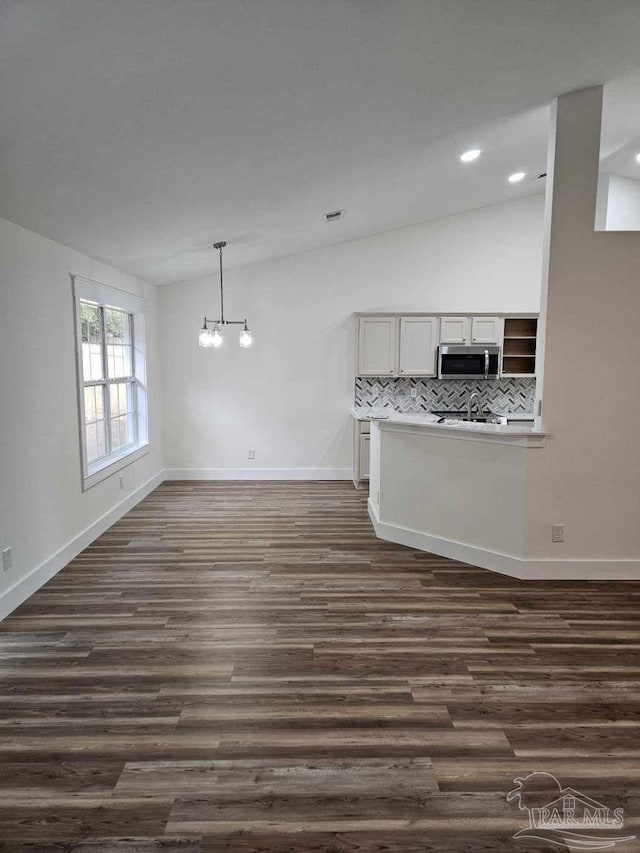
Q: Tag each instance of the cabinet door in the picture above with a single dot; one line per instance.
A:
(418, 342)
(377, 346)
(364, 456)
(486, 330)
(455, 330)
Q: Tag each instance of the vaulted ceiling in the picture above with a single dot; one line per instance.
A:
(141, 131)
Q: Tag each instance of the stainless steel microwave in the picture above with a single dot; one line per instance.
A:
(468, 362)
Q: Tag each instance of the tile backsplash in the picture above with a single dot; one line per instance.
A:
(497, 395)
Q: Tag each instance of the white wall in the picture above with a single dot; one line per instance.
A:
(42, 507)
(623, 204)
(289, 396)
(587, 477)
(617, 204)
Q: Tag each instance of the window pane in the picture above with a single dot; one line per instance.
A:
(127, 329)
(91, 442)
(119, 360)
(90, 322)
(122, 431)
(95, 440)
(121, 398)
(94, 403)
(114, 401)
(129, 393)
(102, 438)
(113, 325)
(94, 359)
(119, 342)
(118, 325)
(91, 331)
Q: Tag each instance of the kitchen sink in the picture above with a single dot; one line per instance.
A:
(458, 417)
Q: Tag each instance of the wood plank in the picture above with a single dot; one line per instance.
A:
(244, 667)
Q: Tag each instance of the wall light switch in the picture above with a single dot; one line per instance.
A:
(557, 533)
(251, 453)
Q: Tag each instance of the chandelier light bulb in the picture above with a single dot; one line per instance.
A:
(205, 337)
(216, 337)
(246, 338)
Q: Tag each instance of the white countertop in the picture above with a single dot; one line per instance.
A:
(427, 420)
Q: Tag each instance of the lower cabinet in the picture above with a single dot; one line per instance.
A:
(364, 456)
(361, 439)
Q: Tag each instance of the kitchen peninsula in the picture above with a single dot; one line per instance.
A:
(455, 489)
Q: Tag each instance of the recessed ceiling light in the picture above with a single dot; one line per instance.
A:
(638, 157)
(470, 155)
(517, 177)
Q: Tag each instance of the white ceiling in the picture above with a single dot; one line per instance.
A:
(141, 131)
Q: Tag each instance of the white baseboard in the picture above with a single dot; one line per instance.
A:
(258, 474)
(24, 587)
(506, 564)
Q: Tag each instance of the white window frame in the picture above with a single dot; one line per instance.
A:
(86, 290)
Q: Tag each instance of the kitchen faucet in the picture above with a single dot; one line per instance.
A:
(475, 396)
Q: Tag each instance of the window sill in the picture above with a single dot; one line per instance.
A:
(106, 468)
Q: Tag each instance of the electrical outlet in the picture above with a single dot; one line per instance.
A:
(414, 393)
(251, 453)
(557, 533)
(122, 481)
(7, 559)
(375, 391)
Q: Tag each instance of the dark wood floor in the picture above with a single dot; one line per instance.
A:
(244, 667)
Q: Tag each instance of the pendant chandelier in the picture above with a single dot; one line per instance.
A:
(213, 337)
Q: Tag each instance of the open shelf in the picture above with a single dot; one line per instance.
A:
(521, 327)
(523, 365)
(519, 346)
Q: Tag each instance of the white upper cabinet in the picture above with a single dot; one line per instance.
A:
(455, 330)
(486, 330)
(395, 345)
(470, 330)
(418, 342)
(377, 346)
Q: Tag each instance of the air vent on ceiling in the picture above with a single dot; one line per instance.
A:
(334, 215)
